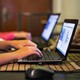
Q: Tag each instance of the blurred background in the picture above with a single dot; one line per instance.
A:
(31, 15)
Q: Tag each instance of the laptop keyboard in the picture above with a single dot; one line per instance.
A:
(38, 40)
(50, 55)
(32, 57)
(47, 55)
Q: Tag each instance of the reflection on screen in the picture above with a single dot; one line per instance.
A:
(49, 27)
(65, 37)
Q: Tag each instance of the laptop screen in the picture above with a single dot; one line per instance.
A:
(65, 37)
(49, 26)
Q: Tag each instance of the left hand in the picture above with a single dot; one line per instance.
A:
(20, 43)
(22, 34)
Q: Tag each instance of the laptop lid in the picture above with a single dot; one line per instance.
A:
(66, 35)
(50, 25)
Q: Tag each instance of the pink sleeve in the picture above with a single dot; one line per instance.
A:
(7, 35)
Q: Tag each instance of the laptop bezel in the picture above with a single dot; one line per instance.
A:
(53, 27)
(74, 21)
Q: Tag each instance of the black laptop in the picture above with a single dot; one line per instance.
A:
(58, 55)
(43, 40)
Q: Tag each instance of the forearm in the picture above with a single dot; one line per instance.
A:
(4, 44)
(7, 57)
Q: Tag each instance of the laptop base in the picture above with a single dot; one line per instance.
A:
(41, 43)
(63, 45)
(40, 62)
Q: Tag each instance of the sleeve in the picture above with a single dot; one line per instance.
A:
(7, 35)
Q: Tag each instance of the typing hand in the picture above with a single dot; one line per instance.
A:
(20, 43)
(26, 51)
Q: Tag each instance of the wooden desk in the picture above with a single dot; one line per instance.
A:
(68, 67)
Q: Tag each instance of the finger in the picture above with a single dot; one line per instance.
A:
(32, 43)
(37, 50)
(40, 53)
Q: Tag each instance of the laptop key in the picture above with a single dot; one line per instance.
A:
(45, 55)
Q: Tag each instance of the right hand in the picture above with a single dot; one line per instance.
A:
(26, 51)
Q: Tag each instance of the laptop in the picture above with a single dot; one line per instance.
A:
(43, 40)
(58, 55)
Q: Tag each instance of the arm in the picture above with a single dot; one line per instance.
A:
(18, 54)
(6, 57)
(13, 35)
(22, 34)
(16, 43)
(3, 44)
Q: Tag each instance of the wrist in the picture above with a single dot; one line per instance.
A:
(15, 55)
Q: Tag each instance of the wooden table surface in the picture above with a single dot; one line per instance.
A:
(68, 70)
(72, 64)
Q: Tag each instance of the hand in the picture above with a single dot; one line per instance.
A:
(21, 43)
(22, 34)
(26, 51)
